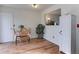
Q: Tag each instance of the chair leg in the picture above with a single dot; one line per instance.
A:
(29, 40)
(16, 40)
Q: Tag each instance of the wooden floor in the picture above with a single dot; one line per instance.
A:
(36, 46)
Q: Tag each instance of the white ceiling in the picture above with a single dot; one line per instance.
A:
(27, 6)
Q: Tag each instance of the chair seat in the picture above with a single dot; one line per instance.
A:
(21, 36)
(23, 40)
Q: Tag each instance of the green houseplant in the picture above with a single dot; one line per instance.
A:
(40, 30)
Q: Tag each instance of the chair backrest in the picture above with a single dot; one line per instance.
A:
(23, 31)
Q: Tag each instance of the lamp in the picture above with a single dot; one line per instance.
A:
(35, 5)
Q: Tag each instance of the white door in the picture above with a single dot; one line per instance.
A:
(6, 20)
(65, 33)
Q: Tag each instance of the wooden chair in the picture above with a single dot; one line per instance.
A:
(22, 36)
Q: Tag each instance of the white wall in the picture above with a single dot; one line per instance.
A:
(0, 30)
(66, 8)
(28, 18)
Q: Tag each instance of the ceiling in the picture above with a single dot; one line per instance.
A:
(27, 6)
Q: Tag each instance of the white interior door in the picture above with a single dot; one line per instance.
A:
(6, 27)
(65, 33)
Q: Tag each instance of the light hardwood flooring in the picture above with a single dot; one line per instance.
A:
(36, 46)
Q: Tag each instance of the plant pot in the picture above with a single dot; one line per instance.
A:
(40, 36)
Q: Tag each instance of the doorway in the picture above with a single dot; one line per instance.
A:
(6, 26)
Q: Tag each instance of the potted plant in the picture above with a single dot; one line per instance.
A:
(40, 30)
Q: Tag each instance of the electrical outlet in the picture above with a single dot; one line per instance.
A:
(53, 37)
